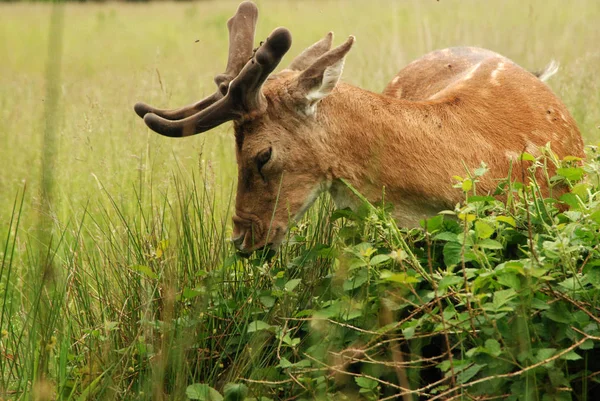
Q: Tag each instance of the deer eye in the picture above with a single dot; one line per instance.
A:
(262, 158)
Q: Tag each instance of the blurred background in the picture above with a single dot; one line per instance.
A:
(90, 199)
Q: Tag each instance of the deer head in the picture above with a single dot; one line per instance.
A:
(282, 164)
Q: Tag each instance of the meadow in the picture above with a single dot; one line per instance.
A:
(117, 280)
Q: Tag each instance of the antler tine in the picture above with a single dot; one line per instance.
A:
(142, 109)
(308, 56)
(241, 42)
(243, 97)
(241, 39)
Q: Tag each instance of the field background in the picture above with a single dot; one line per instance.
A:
(116, 54)
(103, 168)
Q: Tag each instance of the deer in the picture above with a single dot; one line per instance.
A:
(301, 132)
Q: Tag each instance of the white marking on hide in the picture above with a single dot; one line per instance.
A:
(395, 80)
(562, 116)
(512, 155)
(472, 71)
(532, 148)
(499, 68)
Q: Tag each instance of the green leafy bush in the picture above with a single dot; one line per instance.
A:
(492, 300)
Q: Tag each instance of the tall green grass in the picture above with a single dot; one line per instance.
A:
(117, 280)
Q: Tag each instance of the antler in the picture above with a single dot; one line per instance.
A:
(241, 39)
(311, 54)
(243, 97)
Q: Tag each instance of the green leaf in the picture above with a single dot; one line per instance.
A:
(267, 301)
(595, 217)
(510, 280)
(527, 157)
(346, 213)
(258, 325)
(468, 217)
(235, 391)
(571, 356)
(446, 236)
(539, 304)
(144, 270)
(479, 198)
(401, 278)
(593, 276)
(378, 259)
(467, 185)
(543, 354)
(483, 229)
(433, 224)
(409, 332)
(189, 293)
(452, 252)
(572, 283)
(202, 392)
(355, 282)
(285, 363)
(559, 312)
(490, 244)
(571, 200)
(502, 297)
(365, 382)
(230, 261)
(468, 373)
(507, 219)
(447, 281)
(290, 285)
(571, 173)
(492, 347)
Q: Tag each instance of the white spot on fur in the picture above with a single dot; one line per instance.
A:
(562, 116)
(472, 71)
(495, 73)
(532, 148)
(395, 80)
(512, 155)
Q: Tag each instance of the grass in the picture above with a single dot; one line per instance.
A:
(116, 277)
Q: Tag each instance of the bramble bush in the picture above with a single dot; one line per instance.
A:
(492, 300)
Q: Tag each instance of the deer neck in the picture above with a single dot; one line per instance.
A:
(386, 148)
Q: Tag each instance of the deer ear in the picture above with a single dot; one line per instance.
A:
(319, 80)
